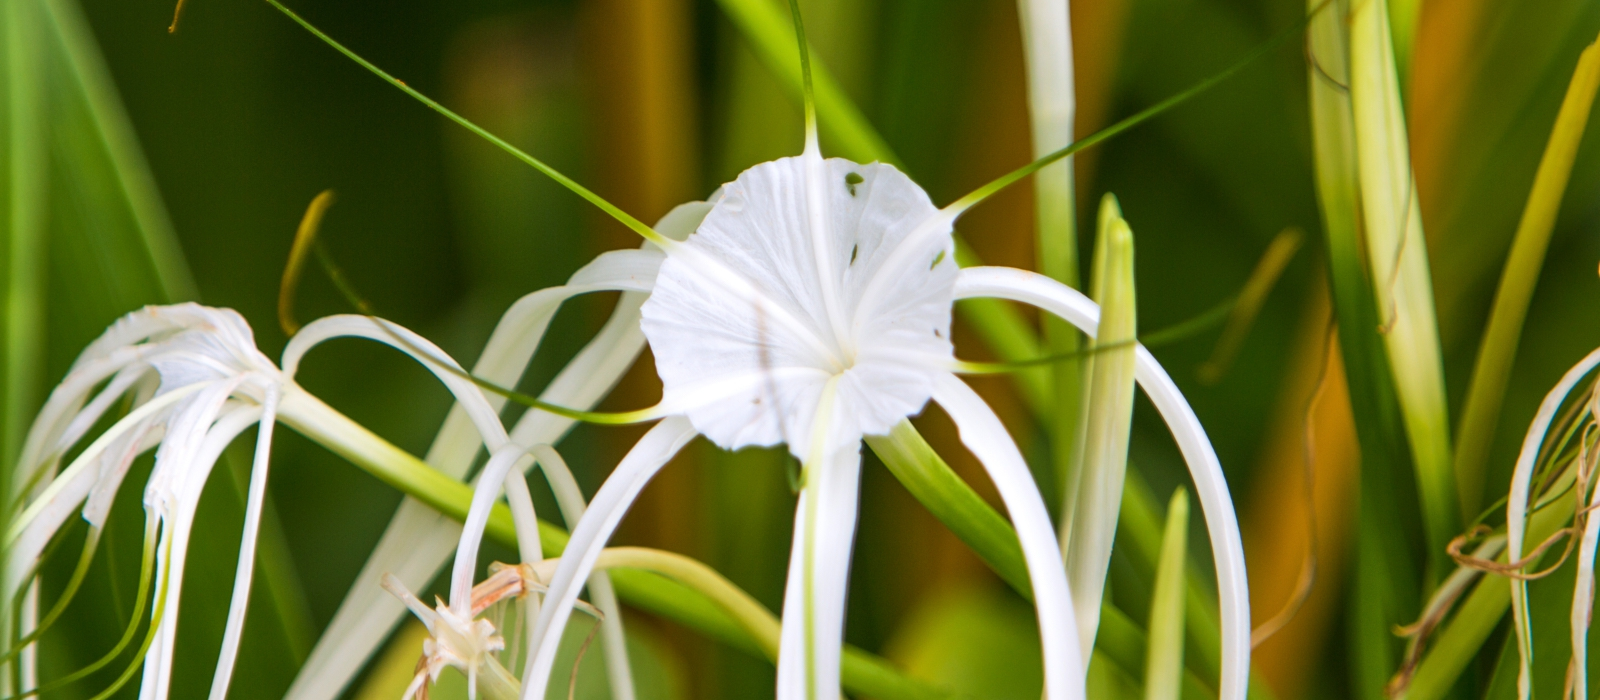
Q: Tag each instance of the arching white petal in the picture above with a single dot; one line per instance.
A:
(1211, 486)
(590, 536)
(449, 373)
(750, 293)
(983, 433)
(613, 638)
(484, 496)
(1517, 504)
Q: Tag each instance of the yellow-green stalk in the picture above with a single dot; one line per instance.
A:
(1481, 415)
(1101, 455)
(1163, 670)
(1398, 260)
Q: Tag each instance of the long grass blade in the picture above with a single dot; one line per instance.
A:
(1498, 351)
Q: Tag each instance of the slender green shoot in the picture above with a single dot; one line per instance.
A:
(807, 92)
(1249, 302)
(615, 212)
(90, 543)
(1163, 670)
(973, 198)
(304, 237)
(1498, 351)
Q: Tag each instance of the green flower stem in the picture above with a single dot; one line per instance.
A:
(1481, 415)
(770, 32)
(722, 612)
(23, 176)
(934, 484)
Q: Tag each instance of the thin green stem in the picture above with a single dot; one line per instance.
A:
(90, 543)
(807, 92)
(621, 216)
(1498, 351)
(1004, 181)
(146, 575)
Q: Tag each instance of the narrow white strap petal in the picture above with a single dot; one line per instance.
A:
(1583, 600)
(233, 631)
(1211, 486)
(590, 536)
(1517, 501)
(467, 394)
(983, 433)
(613, 638)
(484, 496)
(836, 505)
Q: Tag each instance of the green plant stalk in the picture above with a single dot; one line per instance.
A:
(939, 489)
(1163, 672)
(1383, 581)
(1047, 48)
(1398, 259)
(770, 32)
(1100, 463)
(862, 672)
(1479, 614)
(1498, 351)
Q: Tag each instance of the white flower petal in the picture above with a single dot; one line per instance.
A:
(830, 543)
(467, 395)
(646, 458)
(255, 501)
(1210, 485)
(612, 636)
(757, 290)
(982, 432)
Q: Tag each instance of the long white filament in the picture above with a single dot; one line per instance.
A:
(984, 434)
(613, 638)
(1210, 484)
(1517, 507)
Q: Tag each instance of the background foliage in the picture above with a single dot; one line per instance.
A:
(243, 118)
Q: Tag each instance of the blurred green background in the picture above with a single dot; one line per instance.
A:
(243, 118)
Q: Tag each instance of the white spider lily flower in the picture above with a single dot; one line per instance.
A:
(811, 308)
(197, 381)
